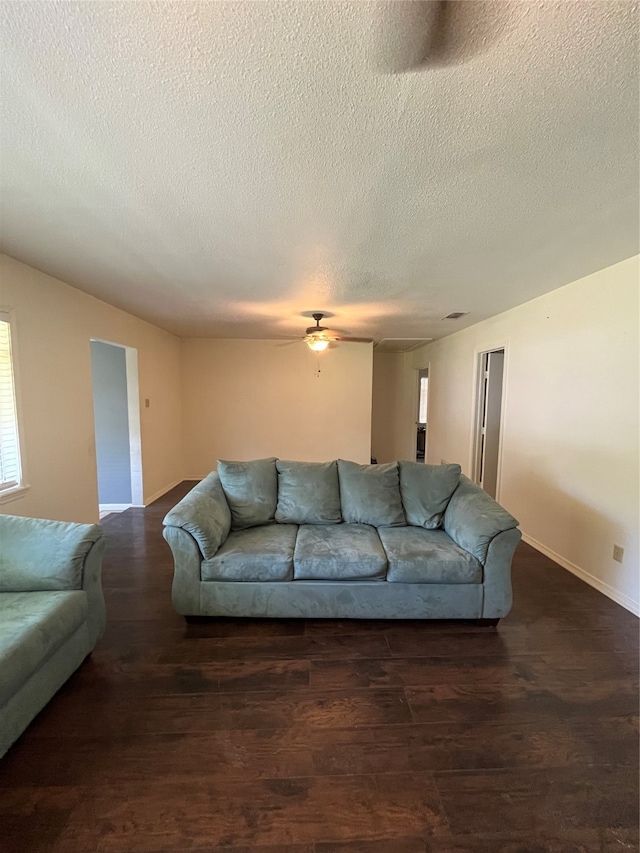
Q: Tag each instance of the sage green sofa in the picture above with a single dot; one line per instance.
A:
(52, 612)
(271, 538)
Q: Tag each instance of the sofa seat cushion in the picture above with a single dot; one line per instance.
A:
(308, 493)
(417, 555)
(256, 554)
(33, 626)
(345, 552)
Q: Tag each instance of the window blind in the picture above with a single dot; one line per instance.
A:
(10, 473)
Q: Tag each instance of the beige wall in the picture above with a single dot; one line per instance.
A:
(55, 323)
(570, 469)
(250, 399)
(394, 407)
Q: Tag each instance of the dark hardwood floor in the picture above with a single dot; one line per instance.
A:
(283, 736)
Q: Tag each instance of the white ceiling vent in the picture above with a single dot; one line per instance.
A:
(455, 315)
(400, 344)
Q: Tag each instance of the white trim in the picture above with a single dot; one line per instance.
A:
(162, 492)
(14, 493)
(475, 412)
(615, 595)
(475, 417)
(7, 313)
(135, 434)
(133, 418)
(114, 507)
(503, 416)
(418, 423)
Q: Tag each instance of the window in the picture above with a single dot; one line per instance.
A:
(10, 467)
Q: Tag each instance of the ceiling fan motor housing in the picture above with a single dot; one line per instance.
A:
(317, 327)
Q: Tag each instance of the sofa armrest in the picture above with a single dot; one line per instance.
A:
(496, 595)
(473, 519)
(205, 514)
(185, 591)
(39, 555)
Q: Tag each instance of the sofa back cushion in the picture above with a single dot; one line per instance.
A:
(370, 494)
(251, 490)
(426, 490)
(308, 493)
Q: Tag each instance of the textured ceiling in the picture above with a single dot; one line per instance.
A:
(221, 168)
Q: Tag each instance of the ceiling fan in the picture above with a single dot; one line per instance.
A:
(417, 34)
(318, 337)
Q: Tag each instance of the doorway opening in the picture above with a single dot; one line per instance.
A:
(116, 409)
(488, 420)
(421, 422)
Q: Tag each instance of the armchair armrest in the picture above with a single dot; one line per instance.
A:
(205, 514)
(473, 519)
(38, 555)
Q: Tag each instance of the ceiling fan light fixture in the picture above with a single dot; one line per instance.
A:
(317, 344)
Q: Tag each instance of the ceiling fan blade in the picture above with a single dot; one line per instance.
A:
(410, 30)
(321, 333)
(418, 34)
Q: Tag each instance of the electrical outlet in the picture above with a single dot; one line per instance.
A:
(618, 553)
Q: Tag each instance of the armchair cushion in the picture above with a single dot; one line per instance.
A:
(426, 491)
(251, 489)
(33, 626)
(308, 493)
(370, 494)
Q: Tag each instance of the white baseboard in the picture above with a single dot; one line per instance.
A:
(619, 597)
(114, 507)
(163, 491)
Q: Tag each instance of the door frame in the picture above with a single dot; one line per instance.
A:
(135, 436)
(476, 411)
(416, 407)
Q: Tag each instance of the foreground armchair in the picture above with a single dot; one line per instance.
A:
(52, 612)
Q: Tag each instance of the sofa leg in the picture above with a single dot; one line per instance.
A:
(197, 620)
(487, 623)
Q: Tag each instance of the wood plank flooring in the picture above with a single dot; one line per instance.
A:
(285, 736)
